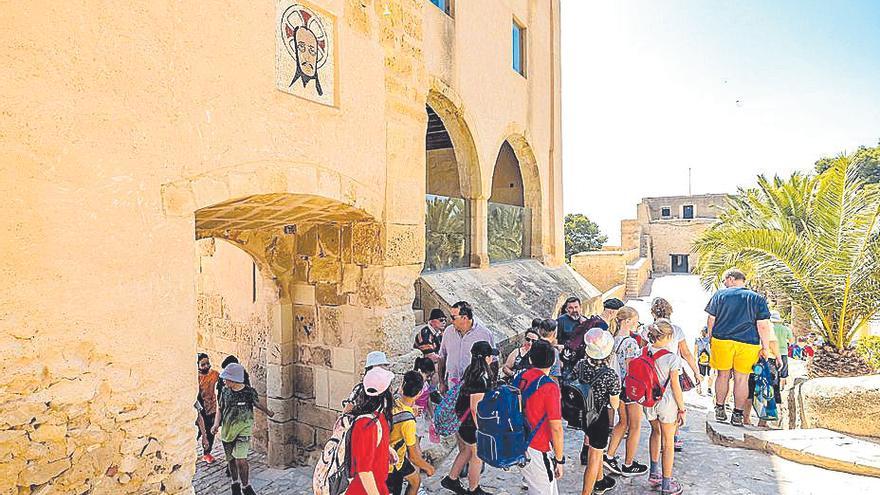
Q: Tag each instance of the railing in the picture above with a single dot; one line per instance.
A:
(446, 233)
(509, 228)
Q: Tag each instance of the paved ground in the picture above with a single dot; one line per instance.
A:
(703, 468)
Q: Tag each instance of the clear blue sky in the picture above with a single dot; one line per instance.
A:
(730, 89)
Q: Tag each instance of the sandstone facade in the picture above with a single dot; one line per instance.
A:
(144, 135)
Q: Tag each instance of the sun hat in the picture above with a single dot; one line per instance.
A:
(483, 349)
(775, 317)
(233, 372)
(599, 343)
(613, 303)
(541, 354)
(377, 381)
(377, 358)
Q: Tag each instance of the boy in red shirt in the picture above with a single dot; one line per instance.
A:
(545, 466)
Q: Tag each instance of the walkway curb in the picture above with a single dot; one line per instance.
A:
(816, 446)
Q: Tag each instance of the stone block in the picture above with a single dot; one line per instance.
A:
(340, 387)
(302, 294)
(209, 191)
(315, 415)
(329, 295)
(303, 381)
(281, 354)
(304, 435)
(322, 390)
(325, 269)
(301, 267)
(304, 324)
(345, 248)
(351, 278)
(329, 240)
(371, 290)
(317, 356)
(283, 323)
(407, 208)
(284, 409)
(281, 448)
(307, 244)
(243, 184)
(178, 199)
(279, 381)
(367, 243)
(329, 184)
(330, 320)
(343, 359)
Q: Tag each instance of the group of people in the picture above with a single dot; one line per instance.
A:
(460, 364)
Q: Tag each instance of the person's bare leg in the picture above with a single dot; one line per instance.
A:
(668, 434)
(740, 389)
(654, 441)
(591, 473)
(634, 418)
(747, 413)
(243, 472)
(474, 468)
(722, 385)
(413, 482)
(464, 454)
(617, 432)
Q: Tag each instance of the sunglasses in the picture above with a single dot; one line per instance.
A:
(531, 341)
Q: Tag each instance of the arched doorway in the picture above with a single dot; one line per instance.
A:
(291, 318)
(514, 208)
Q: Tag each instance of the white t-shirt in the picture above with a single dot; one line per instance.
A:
(665, 366)
(677, 336)
(625, 347)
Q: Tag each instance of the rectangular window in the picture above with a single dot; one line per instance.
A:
(666, 212)
(687, 211)
(444, 5)
(519, 48)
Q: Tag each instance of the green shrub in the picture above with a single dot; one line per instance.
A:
(869, 348)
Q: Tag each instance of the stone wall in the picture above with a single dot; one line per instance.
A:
(443, 173)
(605, 269)
(705, 205)
(674, 237)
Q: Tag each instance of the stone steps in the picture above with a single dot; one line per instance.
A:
(814, 446)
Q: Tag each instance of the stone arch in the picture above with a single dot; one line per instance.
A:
(325, 257)
(442, 101)
(532, 191)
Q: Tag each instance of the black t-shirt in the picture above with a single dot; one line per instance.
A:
(463, 403)
(426, 336)
(221, 384)
(602, 379)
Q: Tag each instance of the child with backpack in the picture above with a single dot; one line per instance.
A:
(663, 400)
(543, 414)
(477, 379)
(235, 422)
(704, 352)
(624, 327)
(404, 441)
(604, 383)
(369, 452)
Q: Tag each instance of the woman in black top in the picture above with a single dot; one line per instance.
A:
(478, 379)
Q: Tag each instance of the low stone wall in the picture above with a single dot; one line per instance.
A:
(604, 269)
(847, 405)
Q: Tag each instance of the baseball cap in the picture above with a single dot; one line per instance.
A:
(377, 381)
(613, 303)
(599, 343)
(775, 317)
(483, 349)
(377, 358)
(233, 372)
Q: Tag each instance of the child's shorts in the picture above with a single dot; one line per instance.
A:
(238, 448)
(665, 411)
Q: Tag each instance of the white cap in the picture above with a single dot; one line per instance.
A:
(377, 358)
(775, 317)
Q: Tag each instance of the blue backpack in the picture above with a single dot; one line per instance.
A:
(503, 435)
(764, 398)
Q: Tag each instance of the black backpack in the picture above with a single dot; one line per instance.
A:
(579, 405)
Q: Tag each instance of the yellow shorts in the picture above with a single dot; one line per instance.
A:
(730, 354)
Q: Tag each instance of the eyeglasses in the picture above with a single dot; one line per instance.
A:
(531, 341)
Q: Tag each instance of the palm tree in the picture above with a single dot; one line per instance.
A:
(813, 239)
(505, 232)
(445, 233)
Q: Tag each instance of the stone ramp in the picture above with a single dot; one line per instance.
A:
(507, 296)
(814, 446)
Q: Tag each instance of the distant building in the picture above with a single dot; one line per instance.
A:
(665, 229)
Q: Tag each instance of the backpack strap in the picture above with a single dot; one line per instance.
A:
(528, 392)
(402, 417)
(655, 356)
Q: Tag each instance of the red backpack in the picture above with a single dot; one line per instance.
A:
(642, 383)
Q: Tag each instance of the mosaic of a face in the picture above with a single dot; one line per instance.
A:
(306, 40)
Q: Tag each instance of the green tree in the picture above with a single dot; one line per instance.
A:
(869, 158)
(813, 239)
(582, 234)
